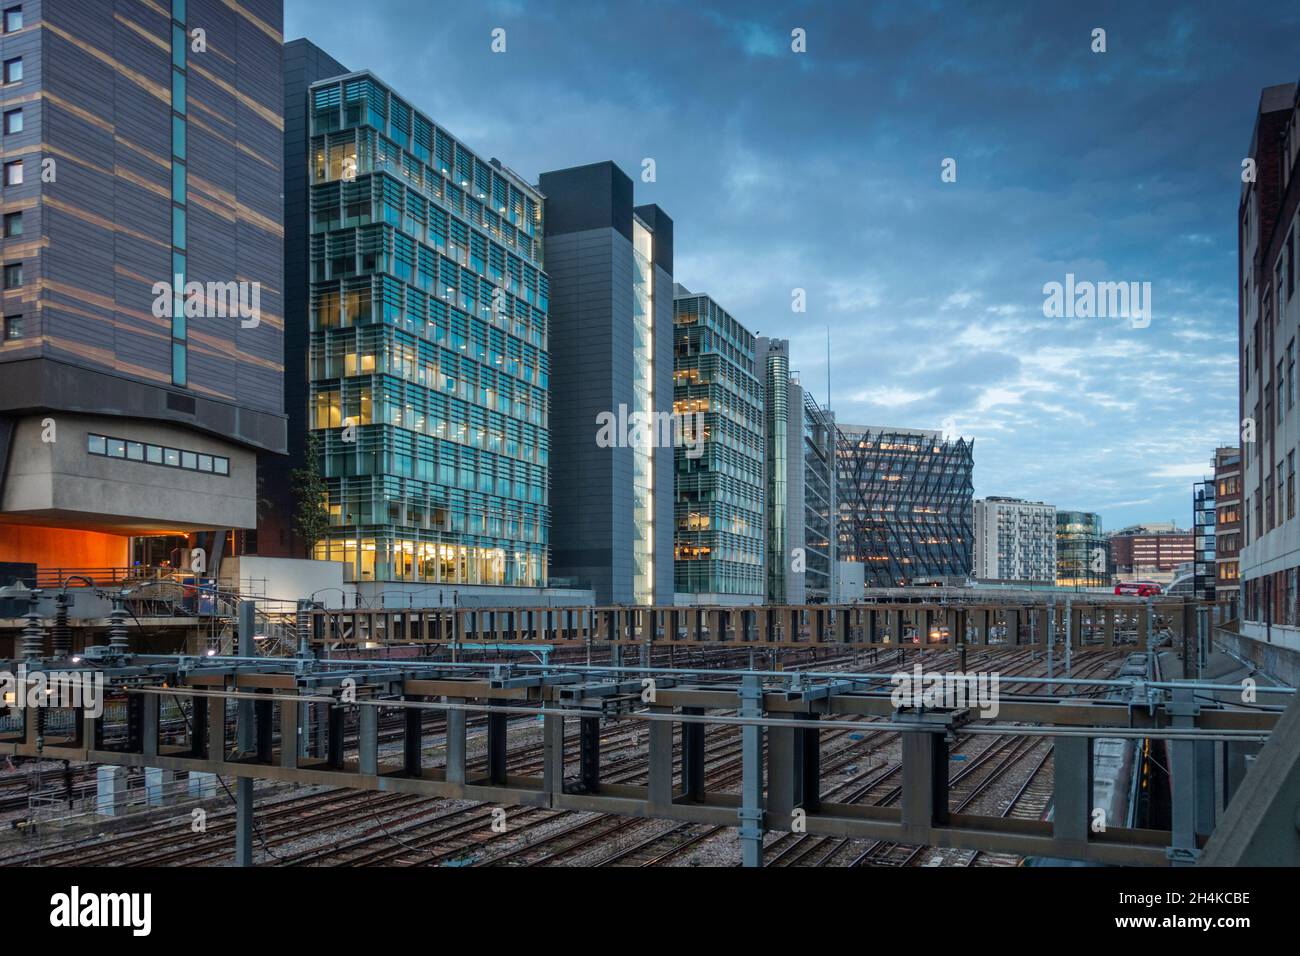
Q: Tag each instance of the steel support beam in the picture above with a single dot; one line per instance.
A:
(413, 741)
(751, 788)
(497, 747)
(553, 755)
(693, 756)
(589, 754)
(1072, 785)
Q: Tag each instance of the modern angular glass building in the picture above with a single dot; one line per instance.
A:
(906, 504)
(141, 191)
(801, 491)
(429, 369)
(1082, 551)
(718, 485)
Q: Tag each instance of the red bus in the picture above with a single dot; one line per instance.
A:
(1140, 588)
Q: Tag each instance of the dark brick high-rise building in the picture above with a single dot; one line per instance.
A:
(142, 144)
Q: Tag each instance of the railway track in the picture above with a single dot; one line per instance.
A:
(360, 828)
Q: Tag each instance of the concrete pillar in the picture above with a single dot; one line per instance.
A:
(368, 740)
(456, 745)
(110, 792)
(244, 821)
(291, 734)
(661, 759)
(159, 786)
(552, 754)
(925, 783)
(202, 785)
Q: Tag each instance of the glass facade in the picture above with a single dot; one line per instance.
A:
(776, 420)
(1203, 528)
(429, 365)
(718, 509)
(820, 512)
(906, 504)
(643, 404)
(1082, 552)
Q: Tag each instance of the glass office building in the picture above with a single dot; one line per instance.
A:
(1082, 552)
(428, 353)
(718, 486)
(906, 504)
(1203, 527)
(799, 440)
(610, 264)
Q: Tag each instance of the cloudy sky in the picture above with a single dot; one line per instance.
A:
(822, 171)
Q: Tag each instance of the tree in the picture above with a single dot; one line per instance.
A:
(311, 520)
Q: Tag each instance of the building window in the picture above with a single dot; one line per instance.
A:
(1281, 390)
(1281, 495)
(14, 173)
(1290, 265)
(13, 19)
(178, 46)
(1290, 373)
(1290, 487)
(13, 327)
(13, 224)
(178, 228)
(156, 455)
(180, 375)
(13, 276)
(14, 70)
(13, 121)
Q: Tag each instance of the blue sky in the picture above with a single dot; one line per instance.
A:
(821, 171)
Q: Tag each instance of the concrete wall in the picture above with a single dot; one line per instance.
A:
(60, 482)
(288, 579)
(1281, 661)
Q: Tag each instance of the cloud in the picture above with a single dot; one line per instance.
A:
(821, 171)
